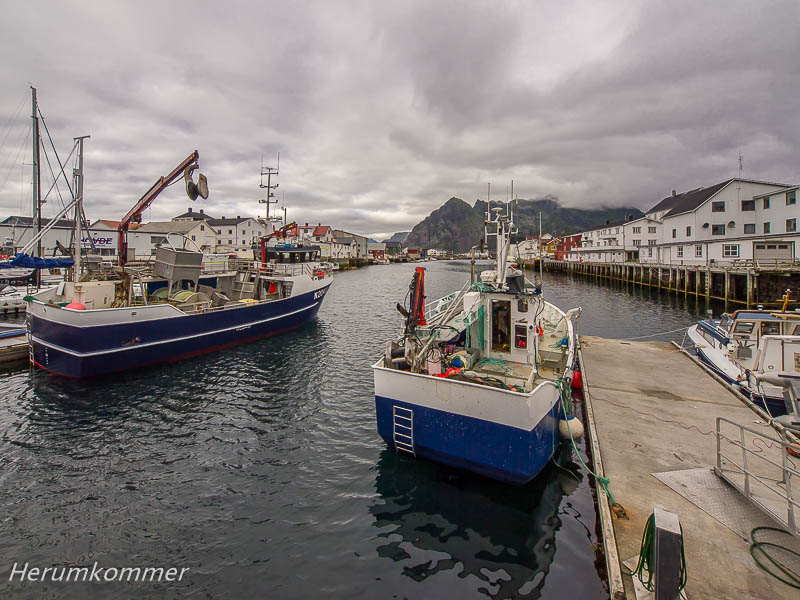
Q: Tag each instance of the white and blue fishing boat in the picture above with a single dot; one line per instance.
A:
(741, 346)
(110, 319)
(476, 381)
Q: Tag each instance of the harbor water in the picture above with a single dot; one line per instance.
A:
(259, 469)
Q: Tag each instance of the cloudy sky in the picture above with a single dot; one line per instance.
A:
(382, 111)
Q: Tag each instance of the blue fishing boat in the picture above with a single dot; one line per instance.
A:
(476, 381)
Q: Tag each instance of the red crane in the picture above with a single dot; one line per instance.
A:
(135, 214)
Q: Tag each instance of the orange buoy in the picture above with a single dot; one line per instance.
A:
(75, 306)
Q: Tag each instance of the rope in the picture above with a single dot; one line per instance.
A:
(566, 397)
(792, 579)
(641, 337)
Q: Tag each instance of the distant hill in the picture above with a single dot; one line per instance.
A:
(457, 226)
(398, 237)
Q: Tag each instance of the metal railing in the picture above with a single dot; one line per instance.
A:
(772, 479)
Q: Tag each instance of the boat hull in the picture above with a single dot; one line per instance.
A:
(714, 357)
(506, 436)
(86, 350)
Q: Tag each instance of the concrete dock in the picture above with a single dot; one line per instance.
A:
(652, 410)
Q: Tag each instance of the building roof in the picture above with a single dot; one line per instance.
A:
(321, 230)
(195, 216)
(30, 222)
(782, 191)
(343, 240)
(168, 227)
(393, 244)
(224, 221)
(689, 201)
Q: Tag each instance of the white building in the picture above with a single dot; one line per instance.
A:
(144, 240)
(737, 219)
(602, 244)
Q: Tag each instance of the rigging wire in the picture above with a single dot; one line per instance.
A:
(7, 127)
(22, 144)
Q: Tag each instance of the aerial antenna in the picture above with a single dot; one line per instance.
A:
(739, 178)
(268, 199)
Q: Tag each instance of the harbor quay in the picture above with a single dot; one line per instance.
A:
(745, 285)
(653, 420)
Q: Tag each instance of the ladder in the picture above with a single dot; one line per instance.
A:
(403, 419)
(31, 360)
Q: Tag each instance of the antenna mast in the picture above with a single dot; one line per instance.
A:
(269, 172)
(37, 193)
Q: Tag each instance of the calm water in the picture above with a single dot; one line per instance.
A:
(260, 469)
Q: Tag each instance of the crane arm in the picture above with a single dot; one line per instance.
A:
(135, 214)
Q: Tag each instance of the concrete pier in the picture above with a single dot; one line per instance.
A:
(651, 409)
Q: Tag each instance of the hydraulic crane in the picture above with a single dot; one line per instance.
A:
(134, 215)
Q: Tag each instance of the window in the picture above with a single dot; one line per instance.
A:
(194, 239)
(674, 233)
(791, 197)
(718, 230)
(244, 232)
(770, 328)
(698, 251)
(688, 231)
(743, 327)
(637, 230)
(651, 242)
(501, 325)
(749, 227)
(791, 225)
(650, 252)
(202, 227)
(730, 250)
(680, 251)
(766, 203)
(230, 231)
(637, 243)
(766, 227)
(718, 206)
(230, 242)
(651, 230)
(157, 239)
(748, 205)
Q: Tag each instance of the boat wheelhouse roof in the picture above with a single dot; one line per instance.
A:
(288, 248)
(761, 315)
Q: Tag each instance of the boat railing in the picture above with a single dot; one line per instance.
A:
(313, 270)
(437, 307)
(768, 481)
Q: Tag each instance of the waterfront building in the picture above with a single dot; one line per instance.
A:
(602, 244)
(144, 240)
(732, 221)
(360, 242)
(377, 250)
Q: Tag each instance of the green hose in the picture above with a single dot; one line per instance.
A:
(565, 394)
(647, 554)
(792, 578)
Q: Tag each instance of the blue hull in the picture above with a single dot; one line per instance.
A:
(98, 350)
(774, 406)
(500, 452)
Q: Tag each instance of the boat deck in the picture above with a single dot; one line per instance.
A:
(654, 416)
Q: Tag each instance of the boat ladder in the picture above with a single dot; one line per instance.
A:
(403, 419)
(31, 361)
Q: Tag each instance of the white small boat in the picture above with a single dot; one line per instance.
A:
(742, 345)
(477, 381)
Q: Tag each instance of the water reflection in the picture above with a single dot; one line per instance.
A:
(433, 519)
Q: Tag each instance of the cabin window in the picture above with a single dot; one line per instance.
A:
(522, 305)
(521, 336)
(770, 328)
(501, 325)
(743, 327)
(725, 325)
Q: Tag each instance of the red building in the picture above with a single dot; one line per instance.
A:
(565, 244)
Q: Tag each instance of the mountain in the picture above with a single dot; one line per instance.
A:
(398, 237)
(457, 226)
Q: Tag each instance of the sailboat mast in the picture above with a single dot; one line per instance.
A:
(78, 187)
(37, 194)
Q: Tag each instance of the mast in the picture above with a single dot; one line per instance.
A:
(77, 185)
(269, 172)
(37, 193)
(541, 257)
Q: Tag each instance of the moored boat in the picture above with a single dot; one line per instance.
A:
(476, 382)
(741, 345)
